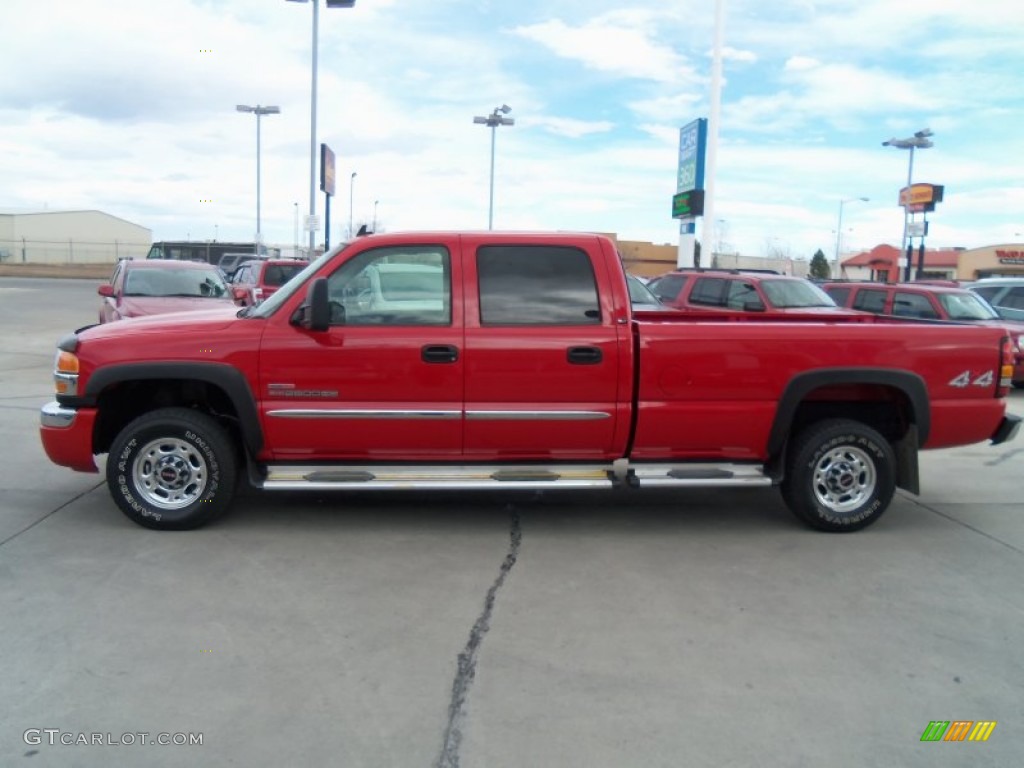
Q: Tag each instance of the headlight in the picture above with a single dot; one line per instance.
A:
(65, 373)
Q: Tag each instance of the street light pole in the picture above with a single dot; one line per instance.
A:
(312, 112)
(351, 199)
(375, 215)
(259, 111)
(492, 121)
(839, 231)
(920, 140)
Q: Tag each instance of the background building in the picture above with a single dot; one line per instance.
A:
(883, 264)
(70, 237)
(992, 261)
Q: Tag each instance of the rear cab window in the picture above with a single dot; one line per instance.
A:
(536, 285)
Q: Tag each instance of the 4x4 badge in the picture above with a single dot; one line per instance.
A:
(964, 380)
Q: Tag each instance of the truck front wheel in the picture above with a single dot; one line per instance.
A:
(172, 469)
(840, 476)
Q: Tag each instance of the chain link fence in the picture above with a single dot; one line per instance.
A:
(70, 251)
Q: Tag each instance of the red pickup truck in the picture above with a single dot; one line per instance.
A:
(512, 361)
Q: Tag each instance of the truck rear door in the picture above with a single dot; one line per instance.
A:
(547, 353)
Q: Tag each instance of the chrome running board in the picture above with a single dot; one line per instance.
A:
(374, 477)
(699, 475)
(283, 477)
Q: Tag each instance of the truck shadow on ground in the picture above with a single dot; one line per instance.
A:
(638, 511)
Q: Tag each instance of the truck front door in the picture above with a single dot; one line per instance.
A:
(385, 381)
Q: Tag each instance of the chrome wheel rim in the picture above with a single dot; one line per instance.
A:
(844, 479)
(170, 473)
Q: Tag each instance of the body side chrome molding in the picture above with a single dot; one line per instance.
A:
(397, 413)
(357, 413)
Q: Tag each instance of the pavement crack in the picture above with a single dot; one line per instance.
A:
(466, 672)
(50, 514)
(968, 526)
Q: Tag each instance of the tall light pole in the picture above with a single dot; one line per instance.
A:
(839, 230)
(259, 111)
(351, 199)
(492, 121)
(920, 140)
(375, 215)
(312, 113)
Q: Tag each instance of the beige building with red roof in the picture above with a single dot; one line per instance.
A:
(883, 263)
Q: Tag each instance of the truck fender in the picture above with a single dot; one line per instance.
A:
(801, 385)
(226, 377)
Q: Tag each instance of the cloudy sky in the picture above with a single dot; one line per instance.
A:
(129, 107)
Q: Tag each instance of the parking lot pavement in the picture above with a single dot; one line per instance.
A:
(583, 629)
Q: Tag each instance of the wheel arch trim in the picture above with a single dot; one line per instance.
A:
(801, 385)
(225, 377)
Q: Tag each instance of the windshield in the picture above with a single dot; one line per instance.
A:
(268, 307)
(640, 294)
(198, 283)
(791, 294)
(966, 306)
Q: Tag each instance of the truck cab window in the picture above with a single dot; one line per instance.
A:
(395, 286)
(536, 285)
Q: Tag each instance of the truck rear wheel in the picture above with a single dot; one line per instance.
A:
(172, 469)
(841, 475)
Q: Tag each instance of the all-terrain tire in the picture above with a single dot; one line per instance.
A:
(172, 469)
(840, 475)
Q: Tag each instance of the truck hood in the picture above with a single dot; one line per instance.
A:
(177, 323)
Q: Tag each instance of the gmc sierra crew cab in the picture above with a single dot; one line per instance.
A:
(448, 360)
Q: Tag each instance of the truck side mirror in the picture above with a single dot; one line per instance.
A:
(315, 312)
(106, 290)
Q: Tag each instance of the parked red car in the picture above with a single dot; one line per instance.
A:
(259, 279)
(721, 290)
(158, 286)
(928, 301)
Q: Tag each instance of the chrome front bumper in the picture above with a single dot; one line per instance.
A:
(53, 414)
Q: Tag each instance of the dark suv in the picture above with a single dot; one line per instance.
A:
(731, 290)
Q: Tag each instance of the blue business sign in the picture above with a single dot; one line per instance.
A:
(693, 139)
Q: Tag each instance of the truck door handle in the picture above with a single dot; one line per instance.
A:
(439, 353)
(583, 355)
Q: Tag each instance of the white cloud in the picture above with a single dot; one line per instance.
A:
(570, 128)
(618, 43)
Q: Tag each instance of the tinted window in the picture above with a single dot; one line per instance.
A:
(279, 274)
(743, 295)
(667, 288)
(988, 292)
(536, 285)
(403, 285)
(709, 291)
(913, 305)
(839, 295)
(870, 300)
(1014, 299)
